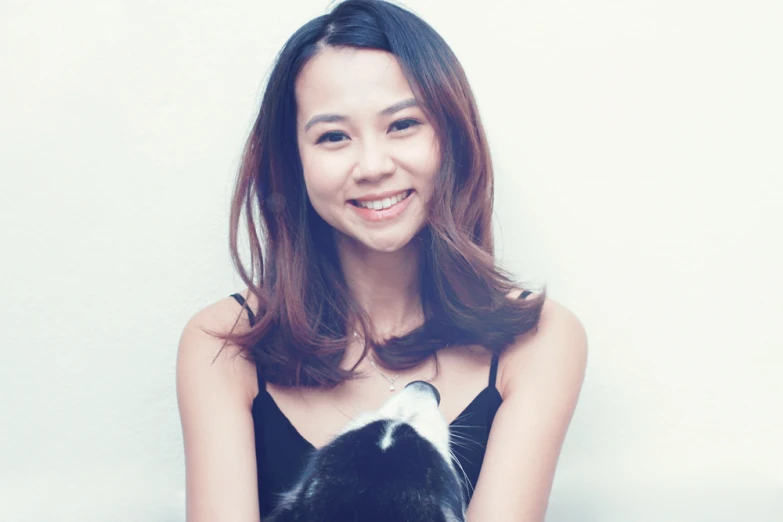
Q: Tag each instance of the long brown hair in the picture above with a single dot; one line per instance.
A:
(304, 305)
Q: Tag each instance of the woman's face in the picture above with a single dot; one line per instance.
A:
(360, 135)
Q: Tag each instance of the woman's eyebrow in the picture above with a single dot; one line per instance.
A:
(331, 118)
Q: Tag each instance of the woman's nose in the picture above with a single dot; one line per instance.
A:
(375, 161)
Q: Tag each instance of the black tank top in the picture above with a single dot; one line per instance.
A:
(282, 452)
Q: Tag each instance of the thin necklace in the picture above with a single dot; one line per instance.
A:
(390, 381)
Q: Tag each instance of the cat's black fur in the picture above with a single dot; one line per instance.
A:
(356, 479)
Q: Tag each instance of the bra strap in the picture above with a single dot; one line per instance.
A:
(252, 319)
(241, 300)
(493, 370)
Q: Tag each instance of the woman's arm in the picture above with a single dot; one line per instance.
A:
(540, 379)
(217, 426)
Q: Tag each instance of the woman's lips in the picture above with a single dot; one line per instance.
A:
(383, 214)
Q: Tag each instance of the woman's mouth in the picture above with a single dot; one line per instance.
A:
(383, 210)
(382, 204)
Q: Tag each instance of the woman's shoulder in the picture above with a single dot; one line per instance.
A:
(226, 310)
(216, 417)
(559, 339)
(223, 361)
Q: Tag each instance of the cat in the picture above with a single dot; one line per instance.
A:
(390, 465)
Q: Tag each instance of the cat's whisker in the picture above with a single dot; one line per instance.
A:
(462, 470)
(462, 440)
(464, 444)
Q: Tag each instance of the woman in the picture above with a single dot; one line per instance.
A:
(368, 107)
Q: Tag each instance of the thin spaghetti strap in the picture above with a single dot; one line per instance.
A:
(493, 370)
(241, 300)
(260, 378)
(252, 319)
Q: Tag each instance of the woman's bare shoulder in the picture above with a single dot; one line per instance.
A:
(560, 337)
(227, 313)
(217, 423)
(198, 347)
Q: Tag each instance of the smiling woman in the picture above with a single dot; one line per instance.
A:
(378, 146)
(369, 173)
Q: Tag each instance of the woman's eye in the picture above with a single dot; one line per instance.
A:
(328, 136)
(334, 137)
(407, 122)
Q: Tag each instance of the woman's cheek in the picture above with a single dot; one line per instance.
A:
(324, 174)
(424, 157)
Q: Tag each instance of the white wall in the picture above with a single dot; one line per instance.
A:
(638, 158)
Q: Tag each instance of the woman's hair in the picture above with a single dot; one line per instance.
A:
(304, 305)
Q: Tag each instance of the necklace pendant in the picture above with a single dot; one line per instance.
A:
(391, 388)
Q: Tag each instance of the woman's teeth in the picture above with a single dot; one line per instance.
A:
(383, 203)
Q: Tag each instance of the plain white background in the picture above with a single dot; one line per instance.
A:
(637, 148)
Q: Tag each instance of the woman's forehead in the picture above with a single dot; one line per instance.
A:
(338, 80)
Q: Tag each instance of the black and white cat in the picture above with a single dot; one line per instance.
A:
(391, 465)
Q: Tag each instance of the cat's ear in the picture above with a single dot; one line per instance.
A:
(280, 515)
(286, 506)
(284, 512)
(450, 516)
